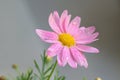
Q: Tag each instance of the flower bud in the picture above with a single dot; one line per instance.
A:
(47, 59)
(14, 66)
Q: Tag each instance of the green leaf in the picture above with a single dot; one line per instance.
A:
(53, 69)
(36, 76)
(48, 70)
(61, 78)
(46, 77)
(29, 75)
(37, 67)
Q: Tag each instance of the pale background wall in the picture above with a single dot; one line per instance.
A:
(19, 43)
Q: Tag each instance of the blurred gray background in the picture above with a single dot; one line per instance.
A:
(19, 43)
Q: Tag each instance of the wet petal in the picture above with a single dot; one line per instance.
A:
(88, 39)
(91, 29)
(74, 26)
(67, 21)
(62, 20)
(56, 17)
(63, 56)
(54, 49)
(79, 57)
(71, 60)
(86, 36)
(47, 36)
(75, 22)
(85, 48)
(53, 22)
(95, 35)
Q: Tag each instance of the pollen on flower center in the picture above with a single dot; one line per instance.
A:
(66, 39)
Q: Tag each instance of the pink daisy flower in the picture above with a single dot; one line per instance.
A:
(68, 39)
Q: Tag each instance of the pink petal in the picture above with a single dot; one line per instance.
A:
(47, 36)
(76, 35)
(95, 35)
(79, 57)
(54, 49)
(88, 39)
(59, 59)
(67, 21)
(62, 20)
(53, 22)
(82, 28)
(56, 17)
(85, 41)
(74, 26)
(73, 31)
(75, 22)
(71, 61)
(86, 36)
(91, 29)
(63, 56)
(85, 48)
(84, 33)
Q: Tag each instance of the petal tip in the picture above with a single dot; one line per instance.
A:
(97, 51)
(37, 31)
(74, 66)
(86, 66)
(66, 11)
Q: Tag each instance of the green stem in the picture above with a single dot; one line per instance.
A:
(43, 63)
(52, 70)
(43, 66)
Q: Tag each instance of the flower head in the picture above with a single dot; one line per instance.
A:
(69, 41)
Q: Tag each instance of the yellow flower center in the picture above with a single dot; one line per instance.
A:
(66, 39)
